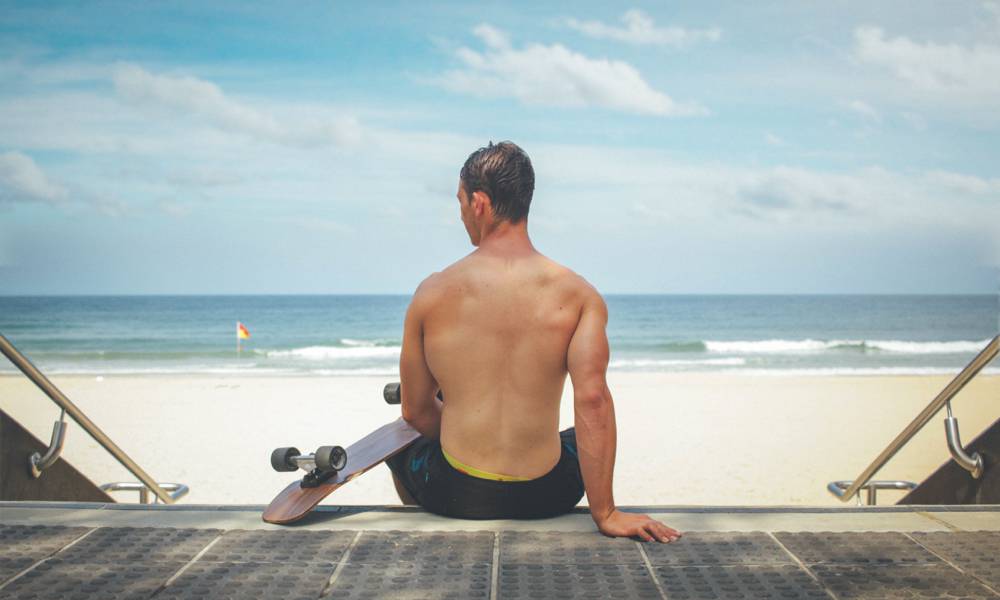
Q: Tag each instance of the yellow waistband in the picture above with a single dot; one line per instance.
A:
(454, 462)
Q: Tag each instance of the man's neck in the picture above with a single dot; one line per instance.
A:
(507, 239)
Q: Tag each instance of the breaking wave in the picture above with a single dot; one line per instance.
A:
(336, 352)
(797, 346)
(639, 363)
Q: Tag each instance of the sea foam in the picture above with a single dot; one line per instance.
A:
(336, 352)
(810, 345)
(649, 362)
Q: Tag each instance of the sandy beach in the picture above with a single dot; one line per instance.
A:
(684, 439)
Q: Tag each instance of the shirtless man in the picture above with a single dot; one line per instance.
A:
(496, 333)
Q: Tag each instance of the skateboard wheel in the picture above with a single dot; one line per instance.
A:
(281, 459)
(391, 393)
(330, 458)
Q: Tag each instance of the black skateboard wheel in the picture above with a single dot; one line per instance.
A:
(391, 393)
(281, 459)
(392, 396)
(330, 458)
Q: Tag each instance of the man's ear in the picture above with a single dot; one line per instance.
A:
(481, 203)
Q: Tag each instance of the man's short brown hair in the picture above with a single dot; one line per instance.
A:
(503, 172)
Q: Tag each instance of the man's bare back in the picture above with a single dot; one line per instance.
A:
(497, 333)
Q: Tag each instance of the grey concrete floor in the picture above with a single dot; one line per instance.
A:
(60, 550)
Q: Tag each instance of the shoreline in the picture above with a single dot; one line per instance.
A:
(683, 438)
(831, 373)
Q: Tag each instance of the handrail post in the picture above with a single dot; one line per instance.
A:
(176, 490)
(38, 461)
(974, 463)
(50, 390)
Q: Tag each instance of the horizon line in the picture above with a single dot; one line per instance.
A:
(408, 294)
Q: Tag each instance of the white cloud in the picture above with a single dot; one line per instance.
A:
(556, 76)
(713, 196)
(640, 29)
(112, 206)
(966, 72)
(493, 37)
(994, 9)
(319, 224)
(190, 95)
(915, 120)
(202, 178)
(864, 109)
(175, 209)
(784, 192)
(21, 180)
(961, 182)
(774, 140)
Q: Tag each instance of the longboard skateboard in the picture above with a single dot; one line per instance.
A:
(332, 466)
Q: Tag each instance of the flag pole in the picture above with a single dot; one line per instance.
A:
(238, 347)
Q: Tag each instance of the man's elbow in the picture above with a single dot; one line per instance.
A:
(425, 421)
(410, 415)
(417, 416)
(590, 399)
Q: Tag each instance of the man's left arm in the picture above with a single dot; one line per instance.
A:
(418, 388)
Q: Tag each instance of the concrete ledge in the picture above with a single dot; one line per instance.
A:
(403, 518)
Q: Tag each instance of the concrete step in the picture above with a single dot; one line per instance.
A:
(58, 550)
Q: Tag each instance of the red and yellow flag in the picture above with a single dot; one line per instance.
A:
(242, 332)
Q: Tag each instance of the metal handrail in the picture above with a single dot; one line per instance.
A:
(50, 390)
(971, 370)
(872, 487)
(177, 490)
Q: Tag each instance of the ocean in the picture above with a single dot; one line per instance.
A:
(360, 335)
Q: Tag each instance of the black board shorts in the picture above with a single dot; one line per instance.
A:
(442, 489)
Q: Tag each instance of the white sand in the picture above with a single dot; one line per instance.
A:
(683, 438)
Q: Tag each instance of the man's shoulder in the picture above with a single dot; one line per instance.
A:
(464, 273)
(573, 281)
(437, 284)
(439, 281)
(430, 286)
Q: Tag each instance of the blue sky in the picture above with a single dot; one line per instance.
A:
(766, 147)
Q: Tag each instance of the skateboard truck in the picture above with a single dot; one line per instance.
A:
(319, 466)
(327, 469)
(327, 460)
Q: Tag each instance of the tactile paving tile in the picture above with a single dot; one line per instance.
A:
(145, 544)
(899, 581)
(57, 578)
(457, 547)
(413, 580)
(739, 581)
(12, 566)
(861, 548)
(249, 580)
(305, 547)
(35, 541)
(576, 581)
(562, 548)
(719, 548)
(975, 552)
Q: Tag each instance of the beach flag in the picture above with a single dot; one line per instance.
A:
(242, 332)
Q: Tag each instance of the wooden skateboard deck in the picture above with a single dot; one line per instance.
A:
(296, 501)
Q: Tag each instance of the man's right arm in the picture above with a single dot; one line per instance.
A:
(596, 434)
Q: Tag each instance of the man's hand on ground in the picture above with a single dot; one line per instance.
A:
(622, 524)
